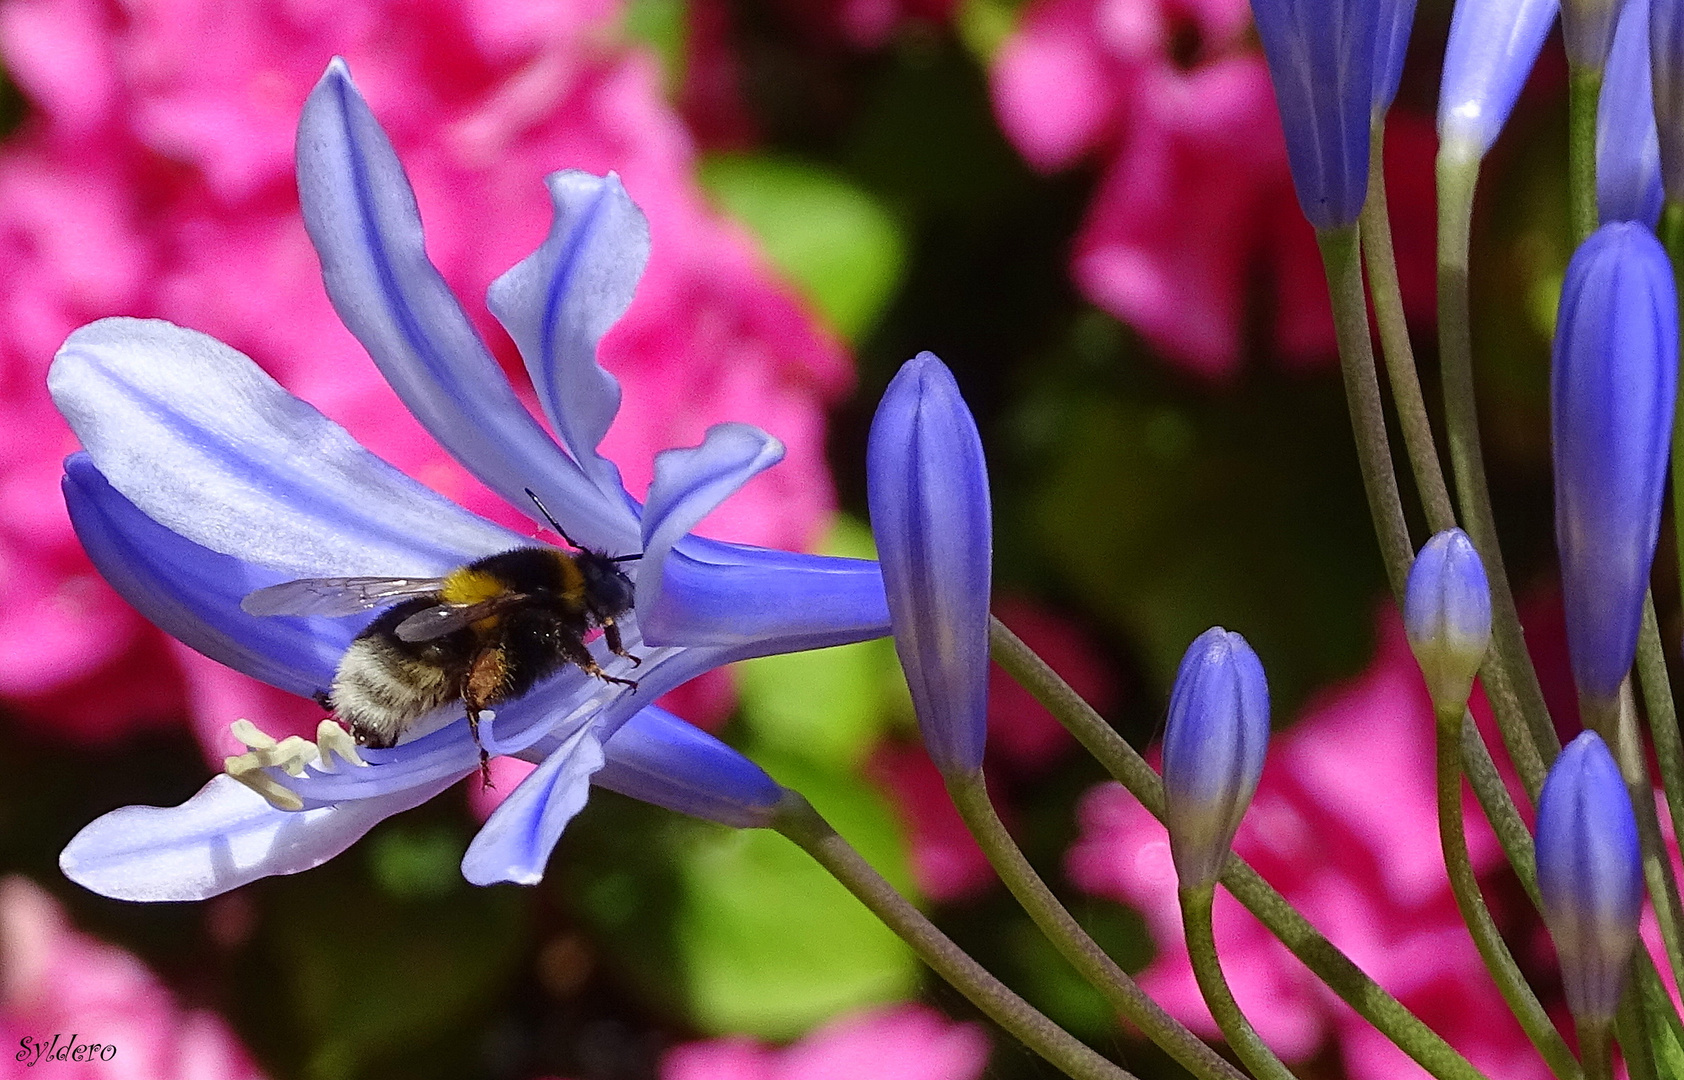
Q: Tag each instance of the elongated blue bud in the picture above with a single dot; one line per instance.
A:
(660, 759)
(1590, 875)
(1321, 57)
(927, 487)
(1447, 617)
(1613, 377)
(1214, 743)
(1628, 148)
(1587, 30)
(1391, 44)
(1666, 67)
(1493, 45)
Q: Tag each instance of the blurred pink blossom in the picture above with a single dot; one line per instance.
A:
(56, 980)
(1345, 826)
(153, 177)
(905, 1042)
(1194, 203)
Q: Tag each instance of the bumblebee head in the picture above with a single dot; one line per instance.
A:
(607, 588)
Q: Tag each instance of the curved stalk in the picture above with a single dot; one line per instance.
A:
(1196, 906)
(1469, 901)
(1381, 263)
(1516, 696)
(970, 796)
(1368, 998)
(797, 820)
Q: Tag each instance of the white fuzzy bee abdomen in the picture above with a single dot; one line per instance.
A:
(379, 691)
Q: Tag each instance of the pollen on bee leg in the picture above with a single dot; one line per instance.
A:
(332, 741)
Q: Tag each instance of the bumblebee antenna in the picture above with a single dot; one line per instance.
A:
(554, 524)
(626, 558)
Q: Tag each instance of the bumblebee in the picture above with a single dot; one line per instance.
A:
(482, 634)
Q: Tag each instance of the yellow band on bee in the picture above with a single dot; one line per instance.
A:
(470, 586)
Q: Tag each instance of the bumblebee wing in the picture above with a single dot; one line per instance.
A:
(334, 597)
(442, 619)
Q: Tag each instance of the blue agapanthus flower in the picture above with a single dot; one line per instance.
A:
(203, 480)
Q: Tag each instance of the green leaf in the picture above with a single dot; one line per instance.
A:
(771, 944)
(1666, 1039)
(835, 243)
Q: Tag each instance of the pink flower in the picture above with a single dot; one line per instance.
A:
(59, 982)
(1345, 826)
(904, 1042)
(1194, 198)
(154, 178)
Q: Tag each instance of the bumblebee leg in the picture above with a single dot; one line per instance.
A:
(575, 651)
(481, 686)
(323, 698)
(611, 634)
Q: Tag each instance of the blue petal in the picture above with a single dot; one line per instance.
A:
(927, 485)
(361, 215)
(1666, 60)
(516, 841)
(221, 838)
(660, 759)
(1628, 146)
(714, 593)
(1613, 377)
(1215, 740)
(558, 302)
(201, 441)
(688, 484)
(1321, 61)
(1397, 17)
(1493, 45)
(1590, 876)
(194, 594)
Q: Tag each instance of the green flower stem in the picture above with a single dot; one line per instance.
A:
(1616, 722)
(1361, 993)
(797, 820)
(1381, 263)
(1515, 694)
(970, 795)
(1663, 718)
(1594, 1050)
(1584, 86)
(1672, 236)
(1506, 973)
(1341, 259)
(1493, 795)
(1631, 1027)
(1196, 903)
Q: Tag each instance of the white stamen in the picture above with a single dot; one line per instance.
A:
(334, 741)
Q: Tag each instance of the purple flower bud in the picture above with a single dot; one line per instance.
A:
(1590, 874)
(1666, 59)
(927, 487)
(1493, 45)
(1587, 29)
(1613, 377)
(1214, 742)
(1321, 57)
(1447, 616)
(1628, 148)
(1391, 45)
(660, 759)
